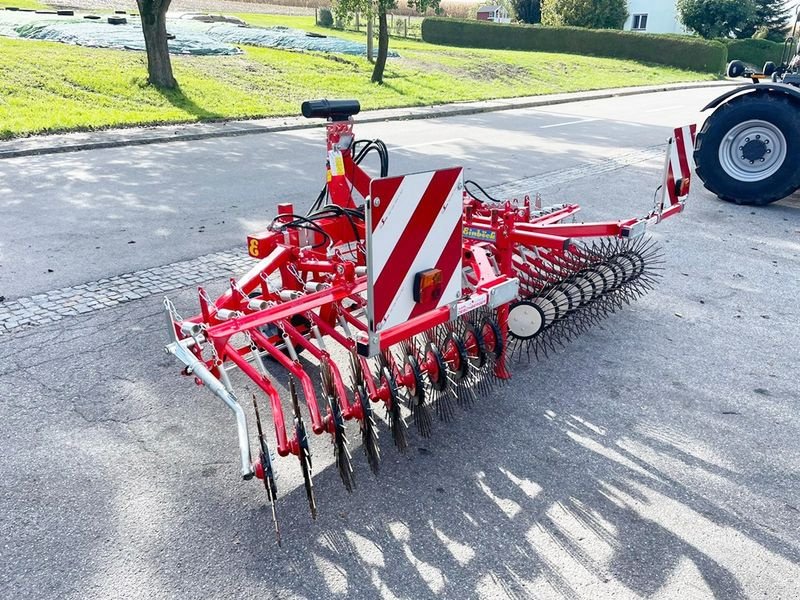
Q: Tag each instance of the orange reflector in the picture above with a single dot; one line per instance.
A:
(428, 286)
(682, 186)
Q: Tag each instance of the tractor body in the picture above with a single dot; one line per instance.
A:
(748, 150)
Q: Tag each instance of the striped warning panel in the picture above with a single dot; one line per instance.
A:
(681, 163)
(413, 224)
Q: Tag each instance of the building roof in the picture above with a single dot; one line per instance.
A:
(490, 8)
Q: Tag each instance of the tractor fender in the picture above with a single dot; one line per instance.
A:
(777, 88)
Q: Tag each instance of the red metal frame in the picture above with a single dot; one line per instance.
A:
(324, 287)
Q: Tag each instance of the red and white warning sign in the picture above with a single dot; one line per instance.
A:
(414, 247)
(680, 164)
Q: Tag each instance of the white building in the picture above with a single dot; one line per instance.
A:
(653, 16)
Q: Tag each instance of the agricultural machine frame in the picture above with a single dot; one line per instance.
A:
(424, 282)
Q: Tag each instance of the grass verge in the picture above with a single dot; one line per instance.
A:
(50, 87)
(23, 4)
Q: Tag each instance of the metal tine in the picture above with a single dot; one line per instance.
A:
(480, 376)
(369, 430)
(266, 466)
(438, 389)
(416, 402)
(394, 414)
(341, 452)
(460, 381)
(304, 454)
(626, 269)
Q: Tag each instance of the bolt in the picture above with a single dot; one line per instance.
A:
(766, 141)
(751, 162)
(746, 139)
(762, 160)
(769, 151)
(741, 147)
(758, 137)
(376, 202)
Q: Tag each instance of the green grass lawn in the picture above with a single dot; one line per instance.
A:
(49, 87)
(24, 4)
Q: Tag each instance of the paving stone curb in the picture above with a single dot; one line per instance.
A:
(52, 306)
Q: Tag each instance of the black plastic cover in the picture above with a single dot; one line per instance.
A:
(335, 110)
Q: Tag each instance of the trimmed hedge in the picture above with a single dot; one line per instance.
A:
(673, 50)
(754, 52)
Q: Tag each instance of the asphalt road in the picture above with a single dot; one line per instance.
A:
(655, 457)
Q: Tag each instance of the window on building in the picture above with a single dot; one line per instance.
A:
(639, 22)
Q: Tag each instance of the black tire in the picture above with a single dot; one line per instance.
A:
(769, 68)
(735, 68)
(776, 110)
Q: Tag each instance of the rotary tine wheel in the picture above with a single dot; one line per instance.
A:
(415, 388)
(394, 414)
(369, 431)
(304, 454)
(478, 357)
(267, 473)
(494, 343)
(438, 383)
(459, 367)
(341, 452)
(593, 281)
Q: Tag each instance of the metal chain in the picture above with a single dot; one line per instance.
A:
(293, 270)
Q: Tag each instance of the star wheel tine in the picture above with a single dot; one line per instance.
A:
(458, 367)
(397, 423)
(269, 475)
(341, 453)
(415, 394)
(478, 358)
(304, 454)
(369, 431)
(438, 382)
(356, 370)
(496, 346)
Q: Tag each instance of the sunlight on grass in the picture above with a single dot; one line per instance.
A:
(49, 87)
(23, 4)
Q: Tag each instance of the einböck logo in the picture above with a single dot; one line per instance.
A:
(476, 233)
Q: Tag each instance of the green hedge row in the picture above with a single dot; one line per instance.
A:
(674, 50)
(754, 52)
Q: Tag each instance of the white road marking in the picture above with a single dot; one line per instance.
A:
(434, 143)
(569, 123)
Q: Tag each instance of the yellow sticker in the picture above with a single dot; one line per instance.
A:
(336, 163)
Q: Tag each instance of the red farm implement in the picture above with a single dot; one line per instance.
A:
(424, 283)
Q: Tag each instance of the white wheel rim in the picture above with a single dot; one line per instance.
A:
(752, 151)
(525, 320)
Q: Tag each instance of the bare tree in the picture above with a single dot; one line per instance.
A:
(154, 27)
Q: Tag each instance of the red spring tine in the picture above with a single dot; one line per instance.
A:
(322, 355)
(317, 424)
(284, 447)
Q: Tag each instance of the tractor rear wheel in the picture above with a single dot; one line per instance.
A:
(748, 151)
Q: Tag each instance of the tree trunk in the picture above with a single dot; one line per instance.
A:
(154, 27)
(383, 46)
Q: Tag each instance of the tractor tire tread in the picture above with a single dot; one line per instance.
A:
(779, 185)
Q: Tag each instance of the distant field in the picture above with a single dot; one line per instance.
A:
(50, 87)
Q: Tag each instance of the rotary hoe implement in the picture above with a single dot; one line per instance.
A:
(394, 300)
